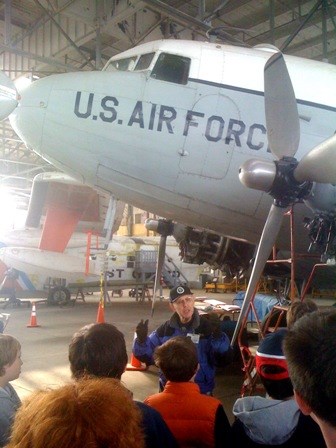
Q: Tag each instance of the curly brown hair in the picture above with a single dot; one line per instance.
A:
(89, 413)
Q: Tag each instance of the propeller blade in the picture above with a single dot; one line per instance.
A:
(267, 240)
(319, 165)
(159, 265)
(282, 118)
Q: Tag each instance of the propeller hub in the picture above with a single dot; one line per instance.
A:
(276, 178)
(286, 190)
(257, 174)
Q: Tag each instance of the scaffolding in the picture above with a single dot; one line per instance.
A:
(276, 317)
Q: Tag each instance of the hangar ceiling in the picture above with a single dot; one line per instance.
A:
(41, 37)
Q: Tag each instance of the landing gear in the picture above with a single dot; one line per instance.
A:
(60, 295)
(12, 302)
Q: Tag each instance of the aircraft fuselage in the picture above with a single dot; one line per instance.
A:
(174, 148)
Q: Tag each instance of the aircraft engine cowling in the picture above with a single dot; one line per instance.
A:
(230, 256)
(198, 246)
(322, 199)
(322, 228)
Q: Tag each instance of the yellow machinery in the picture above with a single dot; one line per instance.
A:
(233, 286)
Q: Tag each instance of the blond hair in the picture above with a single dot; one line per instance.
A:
(298, 309)
(9, 348)
(91, 412)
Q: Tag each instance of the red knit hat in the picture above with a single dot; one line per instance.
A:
(270, 353)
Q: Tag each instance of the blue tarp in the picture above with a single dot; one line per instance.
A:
(263, 304)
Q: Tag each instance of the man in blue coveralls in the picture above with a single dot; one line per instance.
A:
(213, 345)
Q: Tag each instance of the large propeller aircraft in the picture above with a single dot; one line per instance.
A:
(66, 245)
(171, 126)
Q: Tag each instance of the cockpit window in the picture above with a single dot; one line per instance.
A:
(171, 68)
(144, 61)
(122, 65)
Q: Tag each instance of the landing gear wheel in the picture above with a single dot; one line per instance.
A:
(59, 296)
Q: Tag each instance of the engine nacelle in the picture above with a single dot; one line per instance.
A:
(232, 257)
(322, 199)
(322, 228)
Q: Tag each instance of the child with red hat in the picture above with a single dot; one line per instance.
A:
(274, 420)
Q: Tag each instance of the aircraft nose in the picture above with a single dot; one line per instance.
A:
(3, 254)
(28, 118)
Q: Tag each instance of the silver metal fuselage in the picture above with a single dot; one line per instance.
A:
(173, 149)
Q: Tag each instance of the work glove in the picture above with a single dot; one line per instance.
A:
(215, 323)
(142, 330)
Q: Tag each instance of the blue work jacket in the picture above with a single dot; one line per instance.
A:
(211, 351)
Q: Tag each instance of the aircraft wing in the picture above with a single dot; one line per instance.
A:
(67, 205)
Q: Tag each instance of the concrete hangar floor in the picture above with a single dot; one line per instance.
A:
(45, 348)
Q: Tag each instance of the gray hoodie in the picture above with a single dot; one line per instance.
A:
(9, 403)
(267, 421)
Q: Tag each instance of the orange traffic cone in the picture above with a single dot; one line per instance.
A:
(100, 313)
(33, 320)
(135, 364)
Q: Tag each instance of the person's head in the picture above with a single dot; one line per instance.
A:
(92, 412)
(99, 350)
(272, 368)
(182, 302)
(310, 349)
(297, 309)
(10, 357)
(177, 358)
